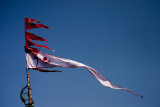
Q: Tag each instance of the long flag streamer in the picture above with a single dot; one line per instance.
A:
(37, 60)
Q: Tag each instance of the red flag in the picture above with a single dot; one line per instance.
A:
(30, 43)
(31, 36)
(33, 25)
(30, 20)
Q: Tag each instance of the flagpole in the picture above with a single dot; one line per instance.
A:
(29, 91)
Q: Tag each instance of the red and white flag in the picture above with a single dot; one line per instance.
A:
(37, 59)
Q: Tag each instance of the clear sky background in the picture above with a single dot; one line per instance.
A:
(119, 38)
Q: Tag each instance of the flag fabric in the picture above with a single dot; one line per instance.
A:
(33, 25)
(30, 20)
(30, 43)
(44, 70)
(33, 61)
(37, 59)
(32, 36)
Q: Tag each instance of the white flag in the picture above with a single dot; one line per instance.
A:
(43, 60)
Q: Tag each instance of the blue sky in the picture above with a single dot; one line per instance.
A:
(119, 38)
